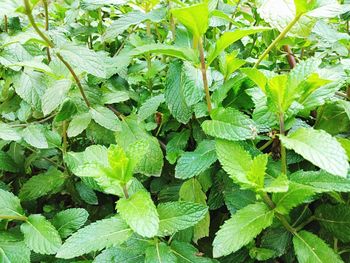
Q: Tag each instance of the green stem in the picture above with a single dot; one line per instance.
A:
(46, 10)
(265, 145)
(204, 74)
(19, 218)
(6, 24)
(234, 14)
(278, 39)
(283, 149)
(306, 222)
(125, 191)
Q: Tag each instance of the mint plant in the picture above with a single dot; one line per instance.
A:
(174, 131)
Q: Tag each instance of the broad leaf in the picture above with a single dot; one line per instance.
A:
(70, 220)
(78, 124)
(9, 133)
(13, 249)
(55, 95)
(106, 118)
(150, 107)
(159, 253)
(241, 228)
(185, 252)
(10, 204)
(34, 135)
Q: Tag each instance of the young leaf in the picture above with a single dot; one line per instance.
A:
(241, 228)
(94, 237)
(10, 204)
(195, 18)
(176, 145)
(40, 235)
(176, 216)
(140, 213)
(37, 186)
(310, 248)
(230, 124)
(192, 164)
(68, 221)
(159, 253)
(329, 155)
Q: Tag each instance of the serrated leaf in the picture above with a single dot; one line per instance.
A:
(35, 136)
(106, 118)
(78, 124)
(159, 253)
(40, 185)
(140, 213)
(185, 253)
(94, 237)
(321, 181)
(40, 235)
(176, 216)
(10, 205)
(9, 133)
(296, 195)
(195, 18)
(55, 95)
(310, 248)
(149, 107)
(86, 193)
(176, 145)
(192, 164)
(329, 155)
(229, 124)
(68, 221)
(13, 250)
(241, 228)
(7, 163)
(120, 254)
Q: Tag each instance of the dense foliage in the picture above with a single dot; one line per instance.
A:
(174, 131)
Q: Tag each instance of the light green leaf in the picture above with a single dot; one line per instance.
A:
(257, 76)
(329, 155)
(296, 195)
(195, 18)
(241, 228)
(176, 216)
(70, 220)
(185, 253)
(106, 118)
(120, 254)
(229, 38)
(40, 235)
(192, 164)
(310, 248)
(10, 205)
(159, 253)
(78, 124)
(55, 95)
(256, 173)
(43, 184)
(140, 213)
(9, 133)
(149, 107)
(230, 124)
(176, 145)
(13, 249)
(35, 136)
(94, 237)
(321, 181)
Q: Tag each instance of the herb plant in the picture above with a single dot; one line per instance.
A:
(174, 131)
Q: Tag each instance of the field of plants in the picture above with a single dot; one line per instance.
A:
(174, 131)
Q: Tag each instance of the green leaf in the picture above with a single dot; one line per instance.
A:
(78, 124)
(40, 235)
(256, 76)
(310, 248)
(13, 249)
(335, 219)
(7, 163)
(68, 221)
(176, 216)
(10, 205)
(276, 91)
(256, 174)
(106, 118)
(192, 164)
(195, 18)
(94, 237)
(43, 184)
(321, 181)
(191, 191)
(234, 160)
(176, 146)
(86, 193)
(140, 213)
(35, 136)
(229, 38)
(329, 155)
(185, 253)
(55, 95)
(241, 228)
(159, 253)
(230, 124)
(120, 254)
(9, 133)
(296, 195)
(174, 93)
(149, 107)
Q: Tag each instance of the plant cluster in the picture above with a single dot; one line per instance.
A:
(174, 131)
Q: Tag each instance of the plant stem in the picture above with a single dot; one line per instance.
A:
(125, 191)
(204, 74)
(278, 39)
(20, 218)
(234, 14)
(306, 222)
(290, 57)
(283, 149)
(51, 44)
(265, 145)
(64, 135)
(46, 10)
(6, 24)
